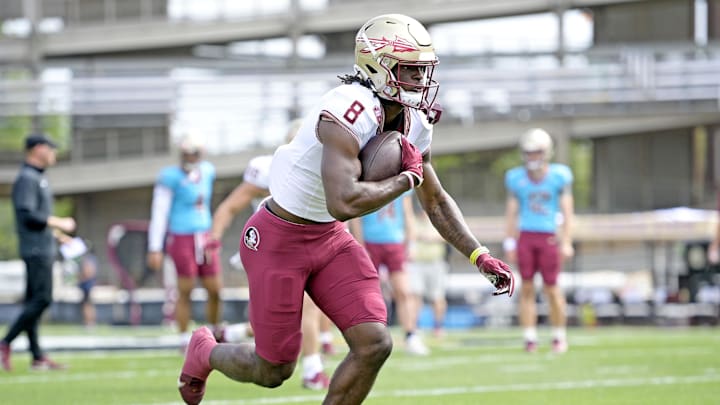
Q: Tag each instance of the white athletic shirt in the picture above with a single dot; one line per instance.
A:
(257, 172)
(295, 173)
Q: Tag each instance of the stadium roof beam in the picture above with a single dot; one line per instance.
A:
(137, 35)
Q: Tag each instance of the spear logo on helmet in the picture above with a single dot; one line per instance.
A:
(399, 45)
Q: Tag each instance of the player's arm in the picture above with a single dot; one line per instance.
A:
(447, 218)
(65, 224)
(346, 196)
(61, 236)
(567, 208)
(355, 228)
(512, 207)
(25, 201)
(160, 211)
(444, 213)
(409, 214)
(238, 200)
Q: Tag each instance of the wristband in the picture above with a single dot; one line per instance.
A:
(410, 178)
(509, 244)
(477, 252)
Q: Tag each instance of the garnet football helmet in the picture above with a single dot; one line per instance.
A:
(391, 42)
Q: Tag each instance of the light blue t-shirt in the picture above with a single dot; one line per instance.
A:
(190, 208)
(539, 201)
(386, 225)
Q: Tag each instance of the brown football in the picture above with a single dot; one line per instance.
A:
(381, 158)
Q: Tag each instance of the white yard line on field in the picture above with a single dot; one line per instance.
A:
(521, 368)
(509, 363)
(66, 376)
(414, 364)
(711, 377)
(437, 392)
(622, 370)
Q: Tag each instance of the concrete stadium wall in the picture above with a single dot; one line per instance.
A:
(643, 171)
(714, 19)
(656, 21)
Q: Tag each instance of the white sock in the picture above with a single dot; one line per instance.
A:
(236, 332)
(530, 334)
(185, 338)
(311, 365)
(326, 337)
(559, 334)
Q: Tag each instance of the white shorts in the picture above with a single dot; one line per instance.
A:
(428, 280)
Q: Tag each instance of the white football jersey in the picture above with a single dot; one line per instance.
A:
(295, 173)
(257, 172)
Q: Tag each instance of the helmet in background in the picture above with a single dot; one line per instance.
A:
(191, 148)
(191, 143)
(536, 140)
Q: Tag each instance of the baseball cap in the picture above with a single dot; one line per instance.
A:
(38, 139)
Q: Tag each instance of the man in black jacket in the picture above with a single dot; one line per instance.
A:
(33, 203)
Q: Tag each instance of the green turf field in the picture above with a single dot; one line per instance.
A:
(603, 366)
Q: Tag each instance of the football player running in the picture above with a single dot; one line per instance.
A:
(537, 191)
(254, 187)
(297, 241)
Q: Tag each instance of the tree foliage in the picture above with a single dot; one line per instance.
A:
(8, 243)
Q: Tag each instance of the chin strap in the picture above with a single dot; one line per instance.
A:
(434, 112)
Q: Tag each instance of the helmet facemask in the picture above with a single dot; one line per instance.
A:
(534, 163)
(413, 94)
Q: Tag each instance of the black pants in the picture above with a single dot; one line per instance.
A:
(38, 296)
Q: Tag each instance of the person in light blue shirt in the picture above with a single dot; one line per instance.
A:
(388, 224)
(180, 224)
(386, 235)
(539, 198)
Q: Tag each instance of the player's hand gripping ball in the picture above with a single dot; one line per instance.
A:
(381, 157)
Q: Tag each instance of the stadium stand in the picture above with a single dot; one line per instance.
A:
(132, 71)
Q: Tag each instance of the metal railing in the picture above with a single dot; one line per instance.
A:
(241, 109)
(244, 93)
